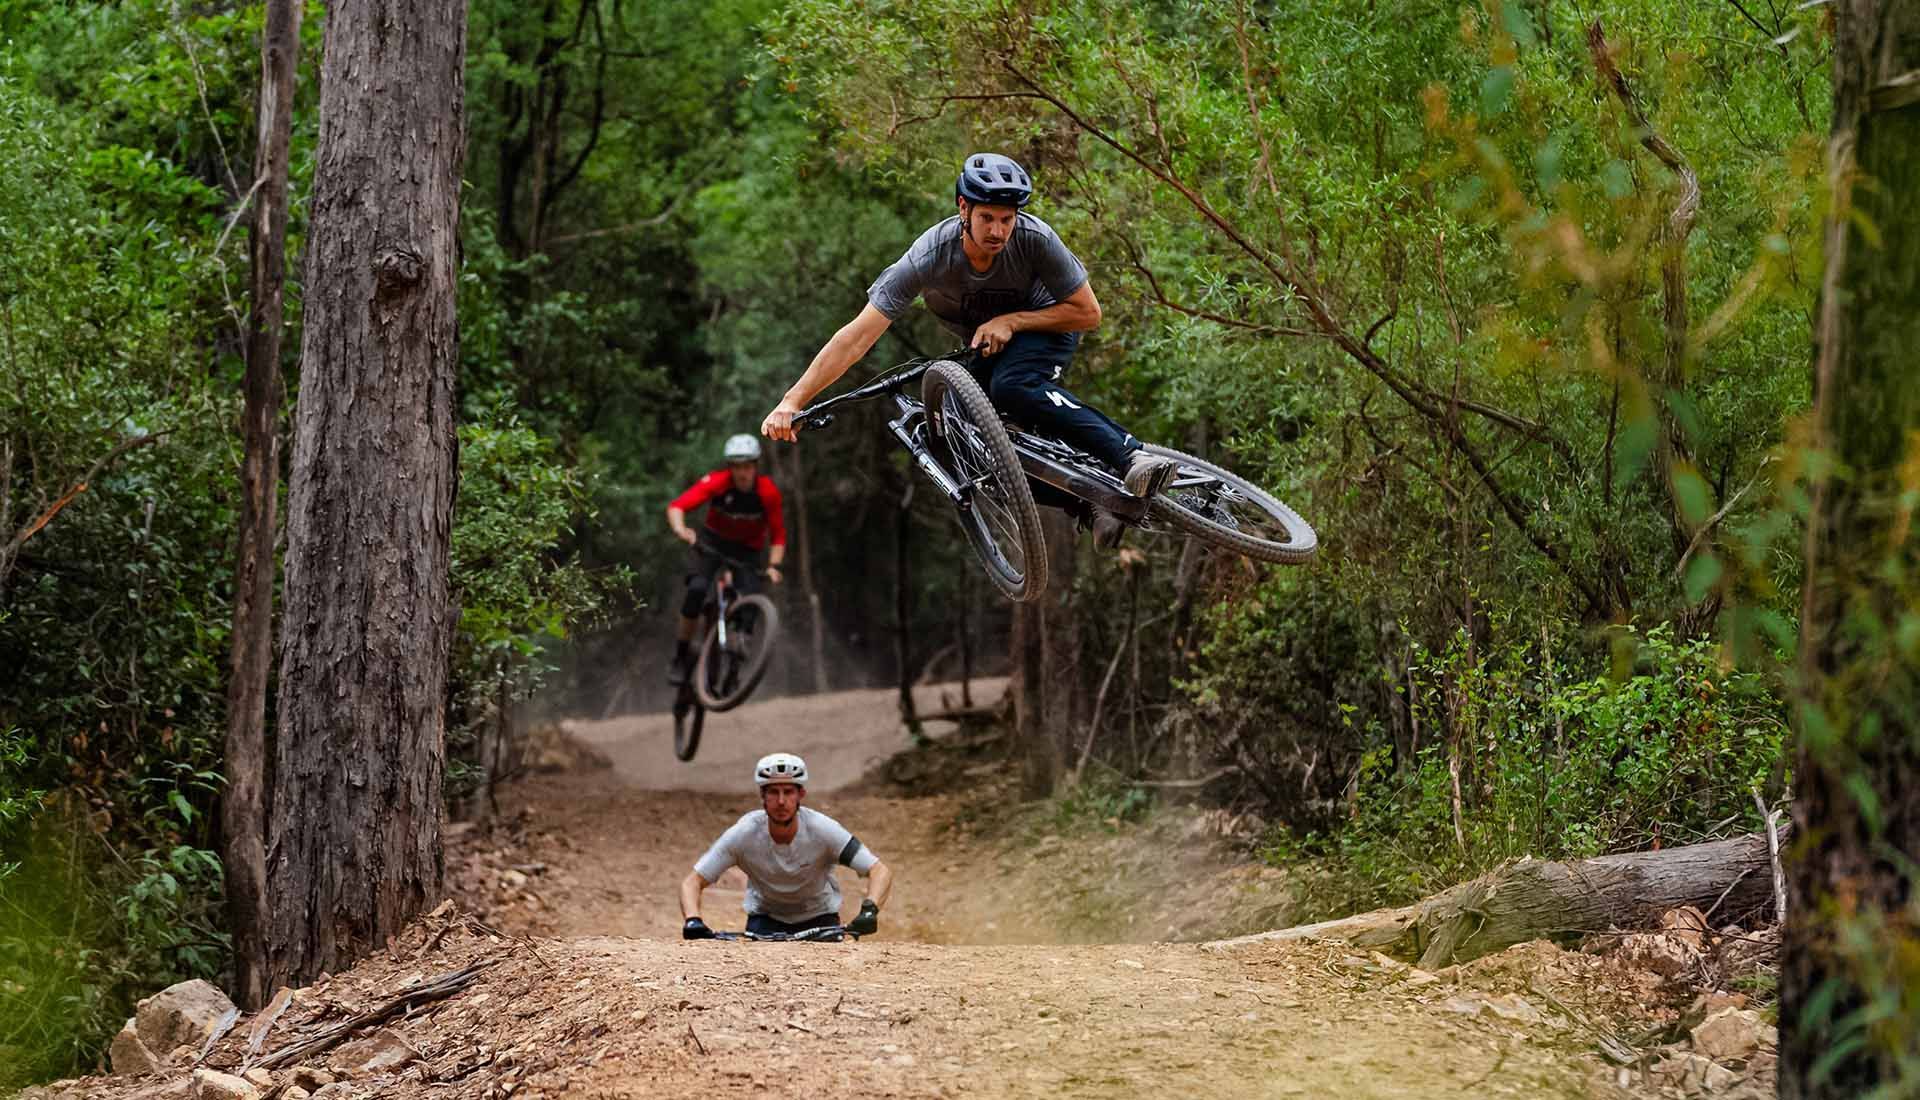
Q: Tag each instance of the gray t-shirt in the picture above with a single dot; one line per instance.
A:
(788, 882)
(1035, 270)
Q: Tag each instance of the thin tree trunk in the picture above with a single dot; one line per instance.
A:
(903, 605)
(354, 850)
(818, 651)
(243, 808)
(1849, 1024)
(966, 634)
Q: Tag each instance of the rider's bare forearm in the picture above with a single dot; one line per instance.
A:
(879, 883)
(677, 520)
(1079, 313)
(847, 347)
(777, 555)
(690, 890)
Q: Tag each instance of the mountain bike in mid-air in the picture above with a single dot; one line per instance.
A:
(738, 631)
(982, 464)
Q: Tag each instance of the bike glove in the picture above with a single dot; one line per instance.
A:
(868, 922)
(696, 929)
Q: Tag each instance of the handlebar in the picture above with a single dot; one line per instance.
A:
(818, 416)
(831, 934)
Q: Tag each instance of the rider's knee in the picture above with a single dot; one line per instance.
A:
(1015, 392)
(696, 597)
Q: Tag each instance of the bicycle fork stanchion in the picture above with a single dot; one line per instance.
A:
(961, 495)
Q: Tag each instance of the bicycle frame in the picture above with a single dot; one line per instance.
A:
(1044, 460)
(722, 590)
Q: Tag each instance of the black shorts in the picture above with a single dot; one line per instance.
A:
(703, 563)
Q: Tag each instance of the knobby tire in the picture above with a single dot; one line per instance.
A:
(747, 676)
(1301, 542)
(991, 447)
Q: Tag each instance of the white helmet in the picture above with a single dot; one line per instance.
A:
(743, 448)
(780, 767)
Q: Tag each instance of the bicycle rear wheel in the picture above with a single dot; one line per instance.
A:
(688, 719)
(728, 673)
(1003, 525)
(1218, 506)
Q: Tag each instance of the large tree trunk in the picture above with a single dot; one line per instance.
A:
(1857, 767)
(243, 809)
(355, 842)
(1540, 899)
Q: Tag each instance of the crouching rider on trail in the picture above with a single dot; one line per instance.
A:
(788, 853)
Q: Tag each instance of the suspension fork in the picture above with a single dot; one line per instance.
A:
(723, 584)
(910, 430)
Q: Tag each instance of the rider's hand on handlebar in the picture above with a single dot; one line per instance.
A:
(868, 922)
(687, 535)
(779, 422)
(989, 338)
(696, 929)
(773, 574)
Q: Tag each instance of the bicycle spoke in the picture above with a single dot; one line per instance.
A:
(967, 450)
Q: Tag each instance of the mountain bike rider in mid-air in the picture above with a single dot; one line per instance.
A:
(1004, 282)
(743, 516)
(788, 853)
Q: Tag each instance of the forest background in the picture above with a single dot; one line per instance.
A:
(1512, 300)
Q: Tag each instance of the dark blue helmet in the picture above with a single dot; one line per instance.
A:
(995, 180)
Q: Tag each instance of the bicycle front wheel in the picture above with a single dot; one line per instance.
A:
(1218, 506)
(966, 436)
(728, 673)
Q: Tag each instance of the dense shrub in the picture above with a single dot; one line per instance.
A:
(1550, 767)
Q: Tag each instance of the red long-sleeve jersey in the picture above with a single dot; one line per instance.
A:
(750, 520)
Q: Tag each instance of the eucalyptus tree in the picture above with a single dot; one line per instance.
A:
(354, 844)
(243, 822)
(1849, 1022)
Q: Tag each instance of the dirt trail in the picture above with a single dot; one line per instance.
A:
(842, 735)
(966, 991)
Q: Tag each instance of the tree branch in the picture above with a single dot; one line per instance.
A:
(1328, 326)
(897, 123)
(1159, 296)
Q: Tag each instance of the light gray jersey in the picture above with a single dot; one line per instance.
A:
(1035, 270)
(788, 882)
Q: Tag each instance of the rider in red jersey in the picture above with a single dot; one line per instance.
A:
(743, 518)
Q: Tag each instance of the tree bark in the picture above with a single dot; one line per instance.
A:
(1856, 808)
(1540, 899)
(243, 808)
(903, 603)
(817, 649)
(1045, 676)
(354, 849)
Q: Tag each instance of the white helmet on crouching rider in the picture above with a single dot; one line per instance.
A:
(780, 767)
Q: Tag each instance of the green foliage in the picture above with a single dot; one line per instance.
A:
(1548, 767)
(517, 589)
(115, 463)
(1105, 802)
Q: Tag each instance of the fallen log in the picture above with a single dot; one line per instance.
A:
(1731, 880)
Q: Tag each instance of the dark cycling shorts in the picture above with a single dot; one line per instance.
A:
(762, 925)
(703, 563)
